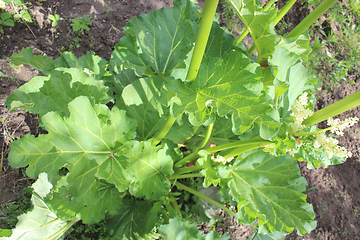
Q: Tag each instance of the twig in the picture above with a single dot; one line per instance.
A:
(12, 3)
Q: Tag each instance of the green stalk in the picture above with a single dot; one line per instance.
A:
(187, 159)
(299, 134)
(246, 32)
(202, 38)
(163, 131)
(175, 204)
(183, 170)
(196, 193)
(207, 136)
(190, 175)
(334, 109)
(311, 18)
(240, 150)
(63, 230)
(256, 140)
(283, 11)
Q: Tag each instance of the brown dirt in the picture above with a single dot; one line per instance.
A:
(334, 192)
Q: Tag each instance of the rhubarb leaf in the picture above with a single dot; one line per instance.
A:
(42, 95)
(157, 42)
(259, 23)
(90, 144)
(231, 85)
(271, 188)
(151, 167)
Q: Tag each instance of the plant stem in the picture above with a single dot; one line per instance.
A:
(246, 32)
(187, 159)
(207, 136)
(183, 170)
(240, 150)
(256, 140)
(196, 193)
(63, 230)
(283, 11)
(311, 18)
(190, 175)
(164, 130)
(202, 38)
(334, 109)
(312, 133)
(175, 204)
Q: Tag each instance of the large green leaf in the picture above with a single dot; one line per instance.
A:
(157, 42)
(89, 63)
(90, 143)
(179, 229)
(141, 100)
(42, 95)
(270, 188)
(151, 167)
(26, 57)
(231, 84)
(40, 222)
(134, 219)
(259, 24)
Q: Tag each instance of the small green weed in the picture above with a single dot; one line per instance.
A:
(5, 20)
(54, 18)
(81, 24)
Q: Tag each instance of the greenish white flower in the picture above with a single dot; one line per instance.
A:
(221, 159)
(330, 146)
(337, 126)
(300, 112)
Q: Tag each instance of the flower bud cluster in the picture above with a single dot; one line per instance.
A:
(337, 126)
(330, 146)
(300, 112)
(221, 159)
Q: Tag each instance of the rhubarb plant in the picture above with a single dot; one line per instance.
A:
(180, 102)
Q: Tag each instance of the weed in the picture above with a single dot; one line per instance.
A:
(81, 24)
(5, 20)
(54, 18)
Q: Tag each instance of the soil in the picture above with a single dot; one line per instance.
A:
(334, 192)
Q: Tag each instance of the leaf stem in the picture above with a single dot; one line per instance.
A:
(196, 193)
(202, 38)
(190, 175)
(283, 11)
(164, 130)
(240, 150)
(334, 109)
(187, 159)
(183, 170)
(311, 18)
(175, 204)
(257, 140)
(207, 136)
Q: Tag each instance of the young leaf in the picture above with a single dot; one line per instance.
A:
(259, 24)
(159, 41)
(151, 166)
(272, 187)
(231, 85)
